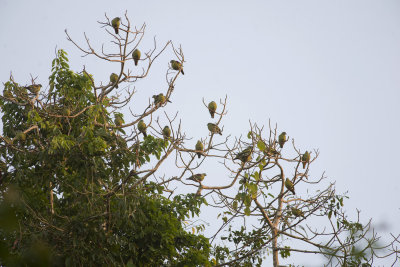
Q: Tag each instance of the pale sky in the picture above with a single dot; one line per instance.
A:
(327, 72)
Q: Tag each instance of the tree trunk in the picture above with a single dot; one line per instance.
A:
(274, 247)
(51, 199)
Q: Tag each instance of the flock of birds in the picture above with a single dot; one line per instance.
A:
(244, 156)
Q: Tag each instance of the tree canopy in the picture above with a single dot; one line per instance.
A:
(82, 180)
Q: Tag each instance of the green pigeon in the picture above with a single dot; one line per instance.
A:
(8, 94)
(282, 139)
(297, 212)
(118, 120)
(20, 136)
(289, 185)
(115, 24)
(166, 132)
(212, 107)
(245, 155)
(34, 88)
(176, 65)
(142, 127)
(199, 147)
(197, 177)
(214, 128)
(270, 150)
(305, 159)
(136, 56)
(160, 99)
(114, 79)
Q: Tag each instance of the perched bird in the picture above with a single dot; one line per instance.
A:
(20, 136)
(115, 24)
(199, 147)
(305, 159)
(289, 185)
(212, 107)
(118, 120)
(245, 155)
(282, 139)
(197, 177)
(166, 132)
(114, 79)
(176, 65)
(271, 151)
(297, 212)
(34, 88)
(142, 127)
(214, 128)
(136, 56)
(8, 94)
(160, 99)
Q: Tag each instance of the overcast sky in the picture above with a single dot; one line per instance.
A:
(327, 72)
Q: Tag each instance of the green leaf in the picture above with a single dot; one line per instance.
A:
(247, 211)
(261, 145)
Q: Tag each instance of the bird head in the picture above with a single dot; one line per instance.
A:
(284, 133)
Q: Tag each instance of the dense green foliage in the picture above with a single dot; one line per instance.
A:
(90, 221)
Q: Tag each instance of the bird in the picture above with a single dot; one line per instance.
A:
(136, 56)
(176, 65)
(34, 88)
(118, 120)
(305, 159)
(212, 107)
(282, 139)
(245, 155)
(199, 147)
(289, 185)
(20, 136)
(214, 128)
(166, 132)
(7, 94)
(271, 151)
(197, 177)
(114, 79)
(160, 99)
(142, 127)
(297, 212)
(115, 24)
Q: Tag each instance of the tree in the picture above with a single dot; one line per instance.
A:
(82, 184)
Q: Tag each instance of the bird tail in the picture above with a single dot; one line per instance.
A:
(212, 114)
(304, 164)
(116, 30)
(182, 72)
(144, 134)
(136, 62)
(199, 155)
